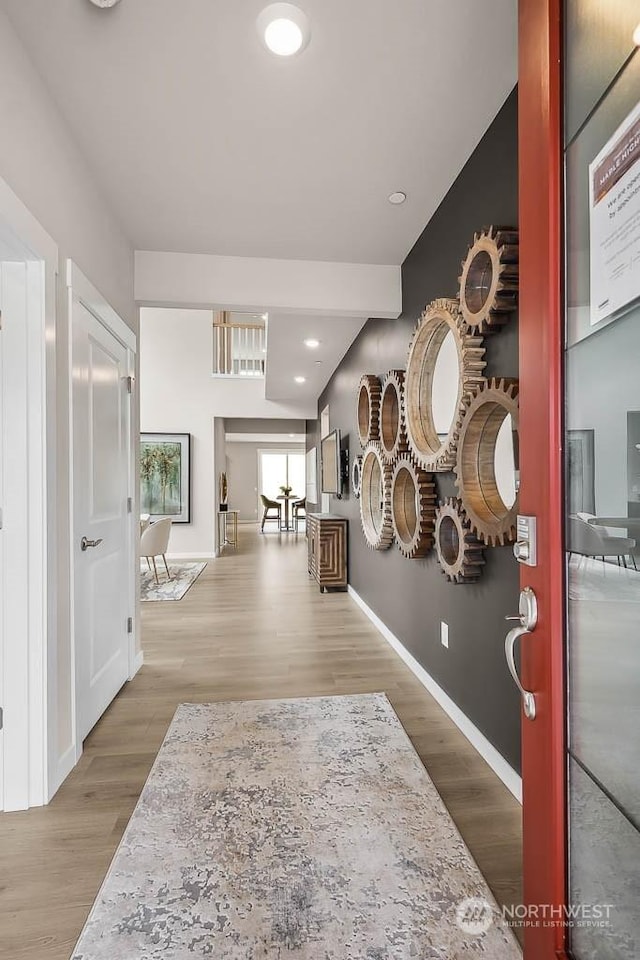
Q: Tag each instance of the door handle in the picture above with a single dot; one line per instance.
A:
(85, 544)
(528, 619)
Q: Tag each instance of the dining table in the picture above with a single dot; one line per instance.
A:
(287, 498)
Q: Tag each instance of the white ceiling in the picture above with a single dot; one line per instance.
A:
(288, 357)
(205, 142)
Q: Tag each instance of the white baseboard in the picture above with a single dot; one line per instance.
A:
(64, 766)
(487, 751)
(137, 663)
(191, 556)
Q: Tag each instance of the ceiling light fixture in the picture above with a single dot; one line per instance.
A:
(397, 197)
(283, 28)
(636, 36)
(104, 4)
(312, 343)
(300, 379)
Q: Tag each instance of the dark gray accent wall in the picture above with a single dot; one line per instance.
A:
(412, 596)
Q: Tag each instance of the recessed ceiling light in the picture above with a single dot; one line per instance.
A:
(311, 343)
(397, 197)
(104, 3)
(636, 36)
(300, 379)
(283, 28)
(318, 361)
(292, 434)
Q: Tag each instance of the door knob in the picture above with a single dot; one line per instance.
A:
(528, 619)
(85, 544)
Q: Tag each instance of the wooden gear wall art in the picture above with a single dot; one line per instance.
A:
(368, 409)
(393, 437)
(430, 450)
(489, 279)
(356, 475)
(413, 508)
(460, 552)
(375, 498)
(492, 520)
(403, 446)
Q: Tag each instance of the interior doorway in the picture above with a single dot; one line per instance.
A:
(278, 469)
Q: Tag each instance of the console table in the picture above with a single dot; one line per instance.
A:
(327, 550)
(224, 538)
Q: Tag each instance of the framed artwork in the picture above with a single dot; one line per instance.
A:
(165, 476)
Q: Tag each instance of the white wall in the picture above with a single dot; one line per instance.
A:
(42, 164)
(45, 168)
(179, 395)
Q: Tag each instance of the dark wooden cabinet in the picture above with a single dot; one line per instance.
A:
(327, 543)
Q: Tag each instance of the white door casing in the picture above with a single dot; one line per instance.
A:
(24, 780)
(104, 574)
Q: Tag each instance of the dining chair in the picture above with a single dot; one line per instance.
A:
(299, 509)
(266, 516)
(154, 542)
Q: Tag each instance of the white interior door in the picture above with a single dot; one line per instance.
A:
(100, 507)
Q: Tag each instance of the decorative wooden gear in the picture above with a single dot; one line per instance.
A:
(439, 318)
(375, 498)
(413, 508)
(491, 519)
(369, 392)
(393, 437)
(356, 475)
(460, 553)
(489, 279)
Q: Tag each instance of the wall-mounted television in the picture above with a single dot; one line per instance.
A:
(331, 472)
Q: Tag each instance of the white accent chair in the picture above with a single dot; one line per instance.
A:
(154, 542)
(592, 540)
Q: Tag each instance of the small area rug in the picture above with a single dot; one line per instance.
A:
(183, 576)
(300, 829)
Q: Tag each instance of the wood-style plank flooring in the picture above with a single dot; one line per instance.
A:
(253, 626)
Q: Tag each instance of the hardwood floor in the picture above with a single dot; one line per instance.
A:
(252, 626)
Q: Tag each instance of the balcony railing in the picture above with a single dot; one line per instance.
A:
(239, 346)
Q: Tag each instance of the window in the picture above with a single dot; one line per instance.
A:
(280, 468)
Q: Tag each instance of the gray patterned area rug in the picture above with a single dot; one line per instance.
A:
(183, 576)
(302, 829)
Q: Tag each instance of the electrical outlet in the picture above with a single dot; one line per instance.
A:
(444, 634)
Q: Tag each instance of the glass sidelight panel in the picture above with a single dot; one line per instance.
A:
(602, 449)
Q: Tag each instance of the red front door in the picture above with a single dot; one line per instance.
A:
(542, 667)
(579, 123)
